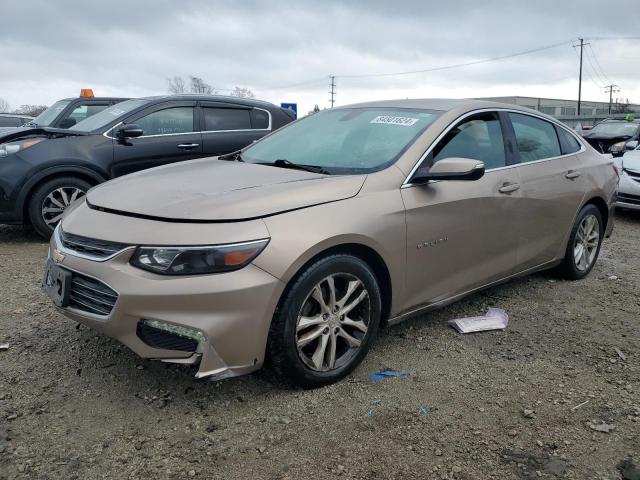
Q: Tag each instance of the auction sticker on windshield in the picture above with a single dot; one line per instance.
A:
(404, 121)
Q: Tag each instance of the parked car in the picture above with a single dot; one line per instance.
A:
(629, 186)
(301, 245)
(612, 136)
(9, 121)
(67, 112)
(46, 169)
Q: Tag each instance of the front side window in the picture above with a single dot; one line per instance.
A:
(536, 138)
(478, 138)
(216, 119)
(345, 140)
(167, 122)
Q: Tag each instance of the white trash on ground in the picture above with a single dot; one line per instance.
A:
(494, 319)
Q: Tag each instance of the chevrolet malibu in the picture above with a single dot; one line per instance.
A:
(296, 249)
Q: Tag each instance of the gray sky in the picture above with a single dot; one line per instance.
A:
(51, 49)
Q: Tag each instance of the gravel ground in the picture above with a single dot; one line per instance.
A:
(554, 395)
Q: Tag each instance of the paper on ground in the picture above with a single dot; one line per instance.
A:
(494, 319)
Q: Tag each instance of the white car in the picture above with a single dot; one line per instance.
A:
(629, 186)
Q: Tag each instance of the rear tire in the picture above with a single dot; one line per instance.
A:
(584, 244)
(49, 201)
(318, 337)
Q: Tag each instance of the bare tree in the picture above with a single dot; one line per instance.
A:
(242, 93)
(31, 110)
(176, 85)
(4, 105)
(199, 86)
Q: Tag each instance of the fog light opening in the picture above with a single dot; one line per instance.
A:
(179, 330)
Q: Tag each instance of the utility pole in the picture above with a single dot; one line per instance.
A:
(333, 89)
(611, 89)
(582, 45)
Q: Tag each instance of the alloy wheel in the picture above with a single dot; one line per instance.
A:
(586, 242)
(57, 202)
(333, 322)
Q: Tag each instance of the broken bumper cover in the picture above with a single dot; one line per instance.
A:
(226, 317)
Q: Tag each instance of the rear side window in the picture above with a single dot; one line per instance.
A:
(259, 119)
(226, 119)
(479, 138)
(537, 139)
(167, 122)
(568, 142)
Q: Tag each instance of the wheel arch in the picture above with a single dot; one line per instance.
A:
(602, 207)
(367, 254)
(48, 174)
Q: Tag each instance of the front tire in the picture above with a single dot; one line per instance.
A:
(584, 244)
(49, 201)
(326, 322)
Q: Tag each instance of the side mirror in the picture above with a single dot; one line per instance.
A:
(129, 130)
(451, 169)
(631, 145)
(67, 123)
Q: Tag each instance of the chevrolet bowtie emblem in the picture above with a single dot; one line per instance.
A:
(57, 256)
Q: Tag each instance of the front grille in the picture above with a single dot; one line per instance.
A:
(631, 173)
(90, 295)
(99, 249)
(628, 198)
(157, 338)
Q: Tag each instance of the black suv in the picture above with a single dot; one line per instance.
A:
(43, 170)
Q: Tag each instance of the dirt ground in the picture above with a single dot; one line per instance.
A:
(555, 395)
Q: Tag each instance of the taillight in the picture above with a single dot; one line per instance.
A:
(616, 169)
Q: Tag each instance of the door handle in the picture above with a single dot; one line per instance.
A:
(572, 174)
(509, 187)
(188, 146)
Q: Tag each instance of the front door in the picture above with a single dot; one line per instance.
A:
(170, 134)
(461, 234)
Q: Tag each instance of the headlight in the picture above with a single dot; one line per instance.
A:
(15, 147)
(197, 260)
(618, 147)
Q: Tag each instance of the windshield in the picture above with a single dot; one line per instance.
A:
(345, 140)
(47, 117)
(616, 129)
(106, 116)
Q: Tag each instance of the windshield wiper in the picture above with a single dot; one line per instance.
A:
(284, 163)
(235, 156)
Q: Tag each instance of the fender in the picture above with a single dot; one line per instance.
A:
(27, 187)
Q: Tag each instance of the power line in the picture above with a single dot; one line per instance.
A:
(596, 73)
(595, 58)
(457, 65)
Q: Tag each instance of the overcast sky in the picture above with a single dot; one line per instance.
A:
(52, 49)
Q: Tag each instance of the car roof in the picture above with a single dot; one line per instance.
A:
(93, 98)
(212, 98)
(442, 104)
(19, 115)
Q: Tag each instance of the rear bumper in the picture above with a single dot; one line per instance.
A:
(232, 311)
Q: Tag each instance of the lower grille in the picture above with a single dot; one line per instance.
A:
(90, 295)
(628, 198)
(156, 338)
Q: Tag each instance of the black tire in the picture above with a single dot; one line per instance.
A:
(283, 353)
(568, 268)
(41, 193)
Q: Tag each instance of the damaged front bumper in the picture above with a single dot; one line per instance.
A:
(219, 322)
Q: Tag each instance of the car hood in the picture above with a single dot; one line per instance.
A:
(209, 190)
(631, 160)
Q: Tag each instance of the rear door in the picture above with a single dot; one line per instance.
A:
(229, 127)
(461, 235)
(171, 134)
(552, 187)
